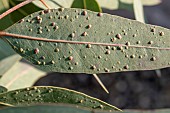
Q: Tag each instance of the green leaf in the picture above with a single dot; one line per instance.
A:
(23, 11)
(101, 43)
(8, 63)
(3, 89)
(4, 22)
(109, 4)
(42, 95)
(7, 57)
(54, 3)
(138, 10)
(128, 4)
(87, 4)
(4, 5)
(21, 75)
(124, 4)
(5, 50)
(70, 109)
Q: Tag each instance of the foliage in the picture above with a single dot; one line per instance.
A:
(73, 40)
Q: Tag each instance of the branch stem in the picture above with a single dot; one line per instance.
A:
(100, 82)
(45, 4)
(15, 8)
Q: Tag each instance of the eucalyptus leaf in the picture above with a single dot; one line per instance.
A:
(4, 105)
(8, 63)
(54, 3)
(3, 89)
(21, 75)
(35, 95)
(128, 4)
(70, 109)
(138, 10)
(8, 57)
(4, 5)
(6, 21)
(87, 4)
(23, 11)
(5, 50)
(109, 4)
(92, 43)
(124, 4)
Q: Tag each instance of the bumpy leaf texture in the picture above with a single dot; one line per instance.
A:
(51, 95)
(82, 41)
(69, 109)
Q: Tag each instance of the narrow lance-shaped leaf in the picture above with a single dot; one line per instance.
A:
(128, 4)
(87, 4)
(54, 3)
(6, 21)
(138, 10)
(64, 108)
(42, 95)
(8, 62)
(21, 75)
(3, 89)
(23, 11)
(54, 40)
(109, 4)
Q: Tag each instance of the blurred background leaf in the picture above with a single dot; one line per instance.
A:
(138, 11)
(87, 4)
(4, 22)
(3, 89)
(109, 4)
(23, 11)
(8, 62)
(21, 75)
(54, 4)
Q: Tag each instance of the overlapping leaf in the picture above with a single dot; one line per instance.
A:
(80, 41)
(138, 11)
(87, 4)
(23, 11)
(70, 109)
(21, 75)
(8, 62)
(36, 95)
(54, 3)
(109, 4)
(3, 89)
(5, 22)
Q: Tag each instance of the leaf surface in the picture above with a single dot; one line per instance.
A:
(3, 89)
(23, 11)
(21, 75)
(87, 4)
(54, 3)
(44, 95)
(6, 21)
(91, 43)
(109, 4)
(70, 109)
(8, 63)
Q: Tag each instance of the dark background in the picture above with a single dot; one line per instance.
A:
(128, 90)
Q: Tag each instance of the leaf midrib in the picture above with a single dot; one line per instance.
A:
(76, 42)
